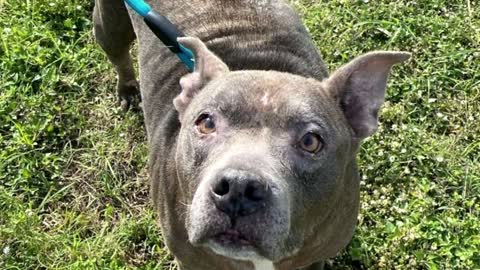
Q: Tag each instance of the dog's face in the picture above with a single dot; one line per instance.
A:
(259, 149)
(262, 155)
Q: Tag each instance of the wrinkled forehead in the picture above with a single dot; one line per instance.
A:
(273, 96)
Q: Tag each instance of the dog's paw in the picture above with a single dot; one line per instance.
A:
(128, 94)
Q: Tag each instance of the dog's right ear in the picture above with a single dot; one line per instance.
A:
(207, 67)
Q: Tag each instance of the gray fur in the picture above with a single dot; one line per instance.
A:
(262, 81)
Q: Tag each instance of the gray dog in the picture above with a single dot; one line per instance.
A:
(252, 156)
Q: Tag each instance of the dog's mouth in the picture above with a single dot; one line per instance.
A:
(233, 243)
(235, 234)
(232, 238)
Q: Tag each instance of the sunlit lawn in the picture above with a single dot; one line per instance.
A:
(73, 182)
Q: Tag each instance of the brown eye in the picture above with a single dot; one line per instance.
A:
(205, 124)
(311, 143)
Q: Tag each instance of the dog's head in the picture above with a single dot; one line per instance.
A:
(263, 155)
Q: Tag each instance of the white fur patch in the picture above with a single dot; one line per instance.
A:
(263, 265)
(265, 100)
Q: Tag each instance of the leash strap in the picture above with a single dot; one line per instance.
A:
(166, 31)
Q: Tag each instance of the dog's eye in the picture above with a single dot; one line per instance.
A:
(311, 143)
(205, 124)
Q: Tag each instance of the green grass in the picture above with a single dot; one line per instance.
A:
(73, 181)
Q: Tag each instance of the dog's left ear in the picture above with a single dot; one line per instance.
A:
(207, 67)
(359, 88)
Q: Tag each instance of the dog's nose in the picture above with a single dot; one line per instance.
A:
(239, 196)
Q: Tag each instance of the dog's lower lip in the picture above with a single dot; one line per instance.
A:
(232, 236)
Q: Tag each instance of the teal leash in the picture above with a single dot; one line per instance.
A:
(166, 31)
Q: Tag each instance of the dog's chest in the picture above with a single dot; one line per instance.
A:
(263, 265)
